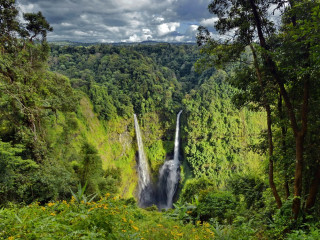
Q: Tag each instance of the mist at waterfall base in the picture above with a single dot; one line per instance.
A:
(161, 194)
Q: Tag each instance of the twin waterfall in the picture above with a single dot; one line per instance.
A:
(161, 195)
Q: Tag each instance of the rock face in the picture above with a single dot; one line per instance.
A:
(125, 141)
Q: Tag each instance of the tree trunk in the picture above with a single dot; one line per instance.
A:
(314, 188)
(269, 123)
(271, 178)
(286, 188)
(284, 147)
(298, 134)
(298, 176)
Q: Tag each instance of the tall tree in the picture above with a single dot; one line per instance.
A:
(249, 21)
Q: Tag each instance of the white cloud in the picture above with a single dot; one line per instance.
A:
(158, 19)
(27, 8)
(193, 28)
(166, 28)
(146, 31)
(65, 24)
(134, 38)
(112, 29)
(80, 33)
(209, 22)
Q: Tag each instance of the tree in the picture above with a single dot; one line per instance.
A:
(37, 25)
(247, 21)
(8, 19)
(243, 22)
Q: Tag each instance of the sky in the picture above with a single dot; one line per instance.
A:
(109, 21)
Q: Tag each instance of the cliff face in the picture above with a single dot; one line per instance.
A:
(116, 143)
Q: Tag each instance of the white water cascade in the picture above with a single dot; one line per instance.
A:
(170, 174)
(145, 188)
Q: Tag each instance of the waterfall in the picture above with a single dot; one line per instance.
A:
(177, 140)
(145, 188)
(170, 174)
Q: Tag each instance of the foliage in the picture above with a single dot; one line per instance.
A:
(119, 80)
(250, 187)
(280, 77)
(217, 205)
(196, 187)
(217, 135)
(15, 172)
(38, 117)
(80, 196)
(108, 218)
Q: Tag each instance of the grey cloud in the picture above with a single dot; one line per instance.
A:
(120, 20)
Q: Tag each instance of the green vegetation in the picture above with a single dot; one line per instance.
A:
(108, 218)
(248, 129)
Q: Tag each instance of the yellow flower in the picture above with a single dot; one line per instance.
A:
(124, 230)
(209, 231)
(10, 238)
(124, 219)
(135, 228)
(50, 204)
(52, 214)
(43, 208)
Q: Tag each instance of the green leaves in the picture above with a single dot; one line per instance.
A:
(37, 24)
(80, 196)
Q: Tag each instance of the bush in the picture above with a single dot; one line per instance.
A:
(195, 187)
(217, 205)
(250, 187)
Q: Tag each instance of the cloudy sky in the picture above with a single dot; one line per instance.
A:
(122, 20)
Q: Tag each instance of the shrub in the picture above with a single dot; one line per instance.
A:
(250, 187)
(217, 205)
(195, 187)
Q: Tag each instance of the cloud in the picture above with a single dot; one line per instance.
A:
(65, 24)
(121, 20)
(166, 28)
(209, 22)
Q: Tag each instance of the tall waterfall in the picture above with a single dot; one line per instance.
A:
(170, 174)
(145, 188)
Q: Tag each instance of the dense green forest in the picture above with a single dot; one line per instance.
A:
(250, 152)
